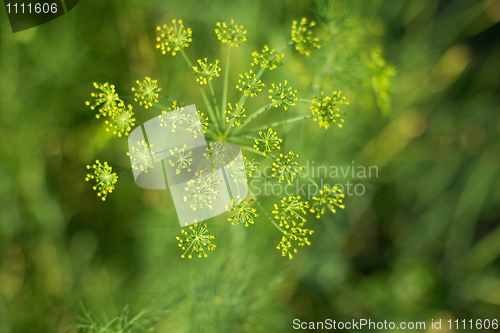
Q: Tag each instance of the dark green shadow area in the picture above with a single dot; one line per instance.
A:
(28, 14)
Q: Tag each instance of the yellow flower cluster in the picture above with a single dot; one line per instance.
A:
(328, 197)
(207, 71)
(107, 99)
(285, 167)
(176, 116)
(242, 213)
(303, 37)
(288, 212)
(295, 234)
(109, 104)
(122, 120)
(268, 141)
(234, 114)
(181, 159)
(249, 84)
(196, 240)
(104, 177)
(174, 38)
(197, 126)
(267, 58)
(202, 190)
(142, 156)
(250, 166)
(231, 34)
(283, 95)
(147, 93)
(325, 110)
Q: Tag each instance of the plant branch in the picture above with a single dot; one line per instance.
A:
(214, 99)
(226, 83)
(202, 91)
(256, 114)
(244, 97)
(279, 123)
(123, 170)
(170, 98)
(265, 212)
(251, 149)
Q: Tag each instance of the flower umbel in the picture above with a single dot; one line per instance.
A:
(104, 177)
(282, 95)
(182, 159)
(295, 234)
(199, 125)
(208, 184)
(242, 213)
(216, 154)
(107, 99)
(239, 171)
(233, 115)
(202, 189)
(123, 120)
(328, 197)
(249, 84)
(285, 167)
(142, 156)
(173, 117)
(207, 71)
(250, 166)
(173, 39)
(288, 211)
(231, 34)
(303, 37)
(267, 58)
(196, 240)
(268, 141)
(325, 110)
(147, 92)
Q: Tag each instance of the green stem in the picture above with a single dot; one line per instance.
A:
(214, 99)
(265, 212)
(279, 123)
(247, 137)
(161, 106)
(202, 91)
(242, 100)
(164, 172)
(312, 181)
(256, 114)
(251, 149)
(170, 98)
(226, 83)
(123, 170)
(144, 134)
(259, 73)
(228, 129)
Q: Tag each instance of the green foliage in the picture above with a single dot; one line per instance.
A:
(422, 243)
(202, 190)
(119, 324)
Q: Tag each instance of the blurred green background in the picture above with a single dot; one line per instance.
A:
(422, 243)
